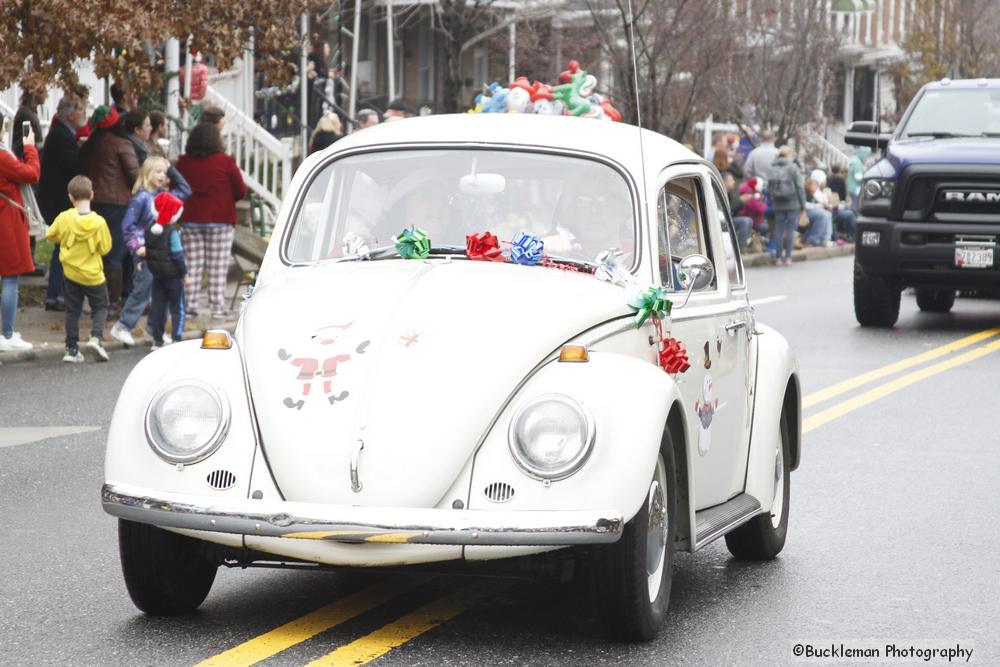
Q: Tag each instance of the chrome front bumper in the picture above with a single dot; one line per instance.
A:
(343, 523)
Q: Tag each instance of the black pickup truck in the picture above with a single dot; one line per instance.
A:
(929, 211)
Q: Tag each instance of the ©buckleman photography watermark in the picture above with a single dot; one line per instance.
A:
(862, 651)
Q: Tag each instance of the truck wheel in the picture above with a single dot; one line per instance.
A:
(876, 299)
(165, 573)
(634, 574)
(935, 300)
(763, 537)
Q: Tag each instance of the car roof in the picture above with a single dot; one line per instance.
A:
(962, 83)
(618, 141)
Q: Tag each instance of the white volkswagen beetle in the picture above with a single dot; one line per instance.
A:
(460, 348)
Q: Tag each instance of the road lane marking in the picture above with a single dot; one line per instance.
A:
(308, 626)
(893, 386)
(903, 364)
(23, 435)
(767, 299)
(414, 624)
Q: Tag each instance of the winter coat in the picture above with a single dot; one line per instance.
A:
(113, 168)
(60, 163)
(83, 241)
(139, 215)
(15, 248)
(793, 203)
(856, 171)
(216, 185)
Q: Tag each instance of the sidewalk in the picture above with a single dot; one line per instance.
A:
(803, 255)
(46, 329)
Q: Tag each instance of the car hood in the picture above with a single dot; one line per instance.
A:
(412, 358)
(928, 150)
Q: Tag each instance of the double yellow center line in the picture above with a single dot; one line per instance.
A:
(891, 387)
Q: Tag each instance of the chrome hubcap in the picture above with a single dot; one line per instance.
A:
(777, 504)
(656, 532)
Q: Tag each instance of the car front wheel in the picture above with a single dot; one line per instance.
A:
(634, 573)
(165, 573)
(876, 299)
(763, 537)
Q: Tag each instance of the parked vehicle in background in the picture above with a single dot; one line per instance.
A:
(930, 207)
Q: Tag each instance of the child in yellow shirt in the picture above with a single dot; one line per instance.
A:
(83, 239)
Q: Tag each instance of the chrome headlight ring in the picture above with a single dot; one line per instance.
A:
(565, 436)
(163, 434)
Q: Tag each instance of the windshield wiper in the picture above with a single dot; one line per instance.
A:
(989, 134)
(938, 135)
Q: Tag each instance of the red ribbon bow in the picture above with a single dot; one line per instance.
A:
(673, 356)
(483, 247)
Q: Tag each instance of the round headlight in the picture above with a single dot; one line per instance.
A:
(551, 436)
(186, 421)
(873, 189)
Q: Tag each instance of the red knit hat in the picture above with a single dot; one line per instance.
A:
(104, 116)
(167, 208)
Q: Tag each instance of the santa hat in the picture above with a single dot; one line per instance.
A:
(166, 209)
(756, 184)
(104, 117)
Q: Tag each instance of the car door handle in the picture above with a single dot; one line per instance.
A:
(733, 327)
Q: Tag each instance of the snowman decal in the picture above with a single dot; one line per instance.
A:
(706, 409)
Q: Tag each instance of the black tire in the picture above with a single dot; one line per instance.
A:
(935, 300)
(759, 538)
(876, 299)
(165, 573)
(621, 577)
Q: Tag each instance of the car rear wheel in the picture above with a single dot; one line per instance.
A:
(935, 300)
(634, 574)
(165, 573)
(876, 299)
(763, 537)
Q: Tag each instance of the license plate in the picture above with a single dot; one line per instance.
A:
(973, 257)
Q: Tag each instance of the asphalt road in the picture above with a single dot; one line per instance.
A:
(893, 529)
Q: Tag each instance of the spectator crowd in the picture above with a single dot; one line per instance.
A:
(776, 206)
(99, 185)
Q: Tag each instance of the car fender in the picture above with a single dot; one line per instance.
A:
(629, 399)
(777, 389)
(131, 460)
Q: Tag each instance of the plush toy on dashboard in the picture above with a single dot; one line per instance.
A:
(519, 96)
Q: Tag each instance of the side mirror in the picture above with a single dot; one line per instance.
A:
(696, 272)
(865, 133)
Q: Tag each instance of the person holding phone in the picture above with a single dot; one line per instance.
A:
(26, 119)
(15, 250)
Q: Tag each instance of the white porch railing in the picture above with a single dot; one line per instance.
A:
(822, 151)
(265, 161)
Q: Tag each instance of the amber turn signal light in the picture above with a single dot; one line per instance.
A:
(574, 353)
(216, 339)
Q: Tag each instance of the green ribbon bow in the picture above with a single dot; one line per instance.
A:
(413, 243)
(651, 303)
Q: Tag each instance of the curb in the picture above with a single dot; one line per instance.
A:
(57, 351)
(802, 255)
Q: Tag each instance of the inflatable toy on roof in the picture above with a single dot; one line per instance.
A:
(573, 96)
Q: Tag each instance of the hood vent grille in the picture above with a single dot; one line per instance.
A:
(499, 492)
(221, 479)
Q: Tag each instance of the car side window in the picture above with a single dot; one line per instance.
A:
(680, 227)
(730, 246)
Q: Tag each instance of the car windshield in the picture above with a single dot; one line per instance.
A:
(578, 207)
(956, 113)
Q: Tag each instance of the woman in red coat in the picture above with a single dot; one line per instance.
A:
(208, 223)
(15, 248)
